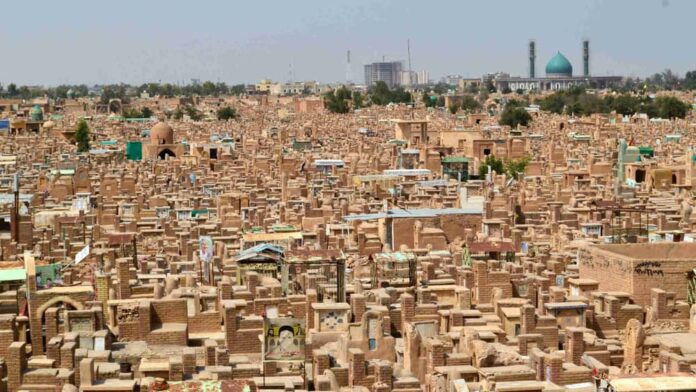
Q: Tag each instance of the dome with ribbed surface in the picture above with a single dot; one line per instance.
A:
(559, 66)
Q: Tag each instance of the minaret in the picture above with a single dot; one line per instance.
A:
(349, 73)
(532, 58)
(586, 58)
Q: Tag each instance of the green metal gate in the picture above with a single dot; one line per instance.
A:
(134, 150)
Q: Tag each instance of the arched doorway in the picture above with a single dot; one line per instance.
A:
(165, 153)
(640, 176)
(53, 320)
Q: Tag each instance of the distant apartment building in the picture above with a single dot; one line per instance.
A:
(423, 77)
(451, 79)
(387, 72)
(467, 84)
(295, 88)
(413, 78)
(264, 86)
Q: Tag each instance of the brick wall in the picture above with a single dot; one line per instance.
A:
(169, 311)
(16, 365)
(209, 321)
(8, 333)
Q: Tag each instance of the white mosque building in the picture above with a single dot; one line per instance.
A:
(559, 75)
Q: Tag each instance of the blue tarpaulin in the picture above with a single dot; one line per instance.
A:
(4, 124)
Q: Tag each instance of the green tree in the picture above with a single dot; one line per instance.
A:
(453, 108)
(114, 91)
(82, 136)
(441, 88)
(227, 113)
(650, 108)
(24, 92)
(221, 88)
(483, 95)
(238, 89)
(81, 90)
(495, 164)
(208, 88)
(380, 94)
(472, 88)
(490, 87)
(624, 104)
(153, 89)
(516, 103)
(671, 107)
(690, 80)
(512, 168)
(193, 113)
(12, 90)
(130, 113)
(337, 101)
(506, 90)
(358, 100)
(470, 104)
(342, 93)
(146, 112)
(167, 90)
(515, 167)
(515, 116)
(553, 103)
(428, 100)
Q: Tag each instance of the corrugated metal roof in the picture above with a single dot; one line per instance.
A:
(63, 172)
(329, 162)
(376, 177)
(433, 183)
(262, 248)
(565, 305)
(12, 274)
(455, 160)
(408, 172)
(414, 213)
(396, 256)
(9, 198)
(99, 151)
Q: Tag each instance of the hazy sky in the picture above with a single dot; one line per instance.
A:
(134, 41)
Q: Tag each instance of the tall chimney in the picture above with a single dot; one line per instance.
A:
(586, 58)
(532, 58)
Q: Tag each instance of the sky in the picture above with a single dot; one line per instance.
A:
(48, 42)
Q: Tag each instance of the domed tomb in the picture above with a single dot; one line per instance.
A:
(162, 133)
(559, 66)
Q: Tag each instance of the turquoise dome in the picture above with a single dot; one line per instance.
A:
(559, 66)
(36, 113)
